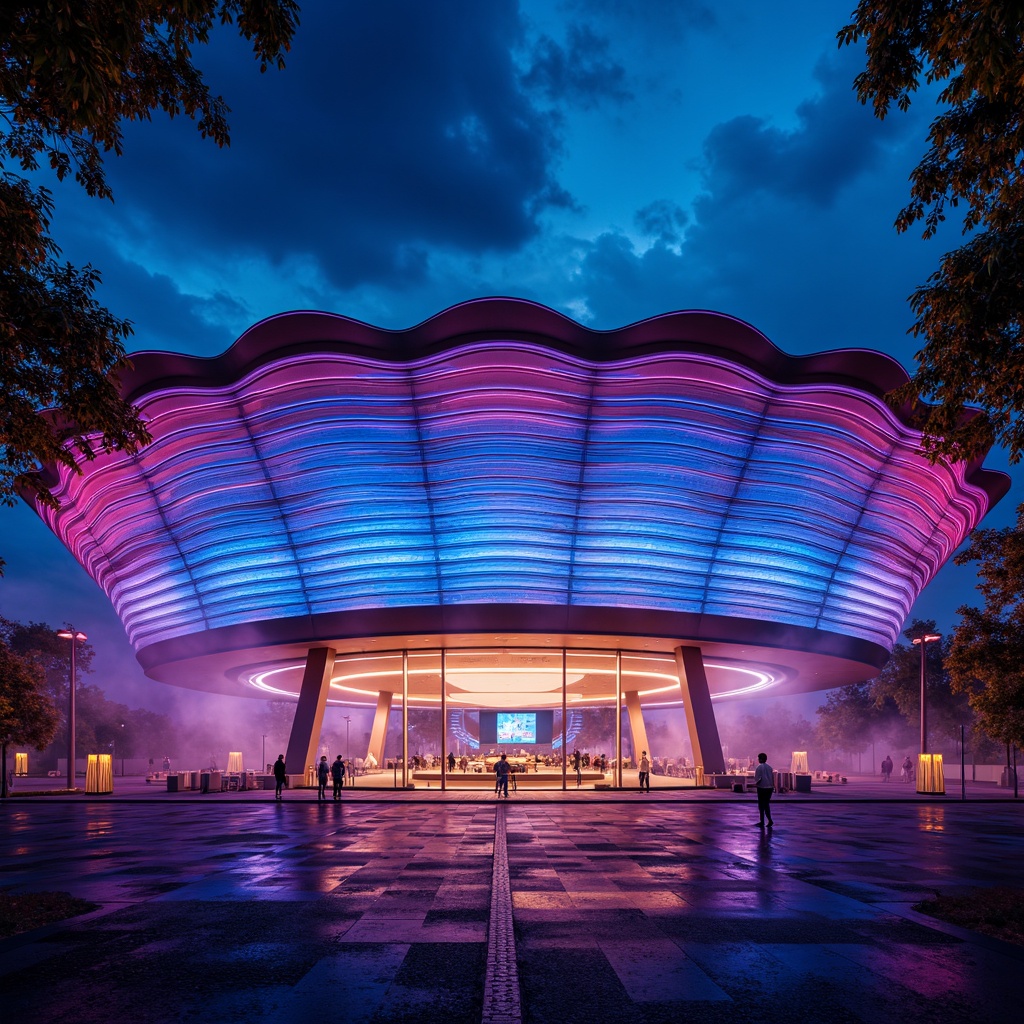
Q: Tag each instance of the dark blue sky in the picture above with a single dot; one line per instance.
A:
(612, 160)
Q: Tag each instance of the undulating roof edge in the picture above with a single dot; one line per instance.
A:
(504, 318)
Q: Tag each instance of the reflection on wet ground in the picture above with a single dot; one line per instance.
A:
(379, 912)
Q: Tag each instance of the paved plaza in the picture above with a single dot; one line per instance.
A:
(393, 908)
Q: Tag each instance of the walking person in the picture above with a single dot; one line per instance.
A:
(764, 781)
(451, 762)
(280, 776)
(577, 763)
(323, 773)
(338, 776)
(908, 768)
(501, 777)
(886, 768)
(645, 773)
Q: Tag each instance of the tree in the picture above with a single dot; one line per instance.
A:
(986, 658)
(900, 682)
(776, 728)
(26, 714)
(38, 642)
(971, 310)
(888, 708)
(851, 719)
(72, 72)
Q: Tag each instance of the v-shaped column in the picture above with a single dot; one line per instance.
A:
(700, 715)
(309, 713)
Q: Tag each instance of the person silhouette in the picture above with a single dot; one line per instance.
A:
(764, 782)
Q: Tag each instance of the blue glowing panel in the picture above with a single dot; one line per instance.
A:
(332, 477)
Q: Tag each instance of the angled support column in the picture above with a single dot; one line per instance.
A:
(309, 713)
(700, 715)
(636, 725)
(379, 732)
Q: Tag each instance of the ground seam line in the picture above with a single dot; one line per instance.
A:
(501, 983)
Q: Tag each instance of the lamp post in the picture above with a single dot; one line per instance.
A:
(264, 759)
(929, 766)
(76, 637)
(923, 641)
(348, 722)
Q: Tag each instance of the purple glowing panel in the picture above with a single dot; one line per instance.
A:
(325, 477)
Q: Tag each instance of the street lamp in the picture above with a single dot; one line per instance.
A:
(929, 769)
(76, 637)
(923, 641)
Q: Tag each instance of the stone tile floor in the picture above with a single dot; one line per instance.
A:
(381, 911)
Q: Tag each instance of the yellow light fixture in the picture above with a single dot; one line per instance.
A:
(99, 773)
(930, 778)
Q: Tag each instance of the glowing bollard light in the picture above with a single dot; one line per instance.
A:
(930, 777)
(99, 773)
(21, 764)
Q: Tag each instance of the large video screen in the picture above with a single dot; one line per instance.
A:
(516, 728)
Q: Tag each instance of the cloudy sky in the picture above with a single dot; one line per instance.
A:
(610, 159)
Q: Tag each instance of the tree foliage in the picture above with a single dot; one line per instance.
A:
(986, 659)
(969, 313)
(851, 719)
(900, 682)
(776, 730)
(27, 715)
(39, 643)
(72, 72)
(887, 709)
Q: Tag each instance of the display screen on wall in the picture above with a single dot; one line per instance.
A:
(516, 728)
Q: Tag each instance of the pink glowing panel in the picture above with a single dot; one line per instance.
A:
(684, 465)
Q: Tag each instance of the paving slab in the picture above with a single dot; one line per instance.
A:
(390, 910)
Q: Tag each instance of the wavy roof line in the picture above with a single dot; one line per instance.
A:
(701, 332)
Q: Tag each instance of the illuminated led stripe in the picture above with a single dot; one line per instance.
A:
(707, 489)
(262, 681)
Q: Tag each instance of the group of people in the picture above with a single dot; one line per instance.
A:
(906, 773)
(324, 772)
(335, 772)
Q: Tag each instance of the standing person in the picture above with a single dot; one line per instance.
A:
(577, 763)
(280, 776)
(451, 762)
(323, 773)
(513, 771)
(645, 772)
(338, 776)
(886, 768)
(907, 767)
(764, 780)
(501, 776)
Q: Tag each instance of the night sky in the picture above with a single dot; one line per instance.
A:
(612, 160)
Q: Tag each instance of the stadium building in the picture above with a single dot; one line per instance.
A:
(510, 520)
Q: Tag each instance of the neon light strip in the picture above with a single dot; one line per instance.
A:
(509, 472)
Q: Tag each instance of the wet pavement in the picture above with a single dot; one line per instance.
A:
(408, 907)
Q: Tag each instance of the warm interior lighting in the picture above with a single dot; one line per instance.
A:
(21, 764)
(235, 761)
(798, 764)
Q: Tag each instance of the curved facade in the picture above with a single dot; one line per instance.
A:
(501, 475)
